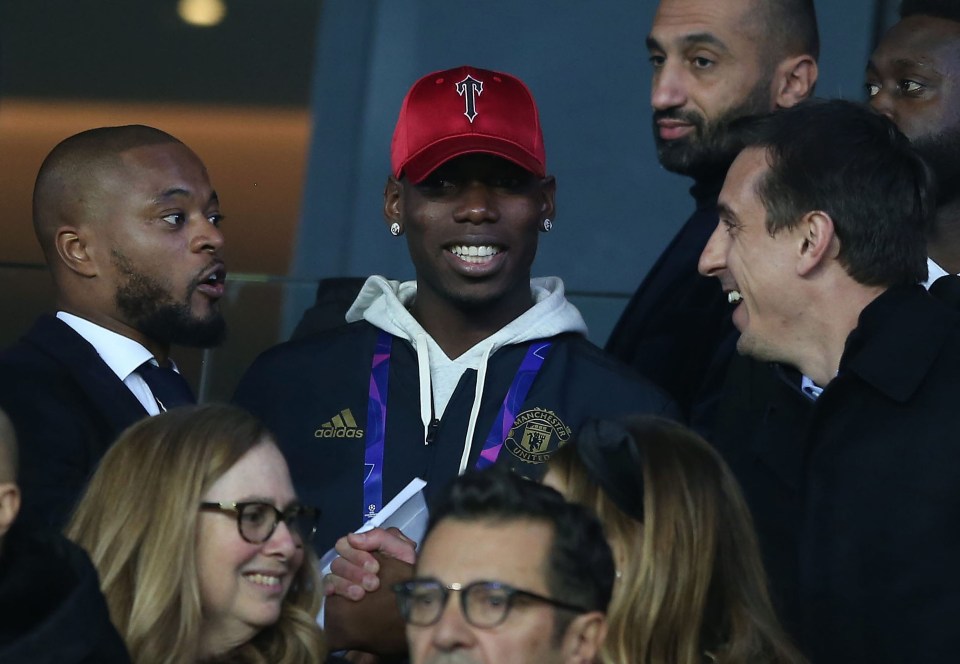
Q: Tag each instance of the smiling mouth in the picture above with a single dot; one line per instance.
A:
(267, 580)
(734, 297)
(476, 254)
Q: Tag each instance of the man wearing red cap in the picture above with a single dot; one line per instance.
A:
(471, 364)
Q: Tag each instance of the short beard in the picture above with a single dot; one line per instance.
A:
(152, 310)
(941, 151)
(713, 146)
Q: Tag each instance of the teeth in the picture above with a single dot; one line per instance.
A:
(734, 296)
(264, 580)
(474, 253)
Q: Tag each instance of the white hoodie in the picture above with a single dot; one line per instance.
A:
(383, 303)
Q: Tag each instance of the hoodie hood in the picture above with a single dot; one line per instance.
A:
(384, 303)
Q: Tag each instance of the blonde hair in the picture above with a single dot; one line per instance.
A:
(138, 521)
(691, 584)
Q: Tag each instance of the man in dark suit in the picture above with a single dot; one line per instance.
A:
(713, 63)
(129, 227)
(848, 458)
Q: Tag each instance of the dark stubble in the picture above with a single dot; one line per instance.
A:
(153, 311)
(942, 152)
(712, 147)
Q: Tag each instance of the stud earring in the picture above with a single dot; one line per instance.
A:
(545, 226)
(395, 229)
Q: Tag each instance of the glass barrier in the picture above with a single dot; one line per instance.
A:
(261, 311)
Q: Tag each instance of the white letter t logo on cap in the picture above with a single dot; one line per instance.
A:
(470, 88)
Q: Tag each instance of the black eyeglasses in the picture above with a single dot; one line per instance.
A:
(256, 521)
(485, 604)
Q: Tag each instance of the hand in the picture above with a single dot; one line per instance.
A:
(373, 625)
(356, 571)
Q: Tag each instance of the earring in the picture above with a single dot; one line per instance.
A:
(545, 226)
(395, 229)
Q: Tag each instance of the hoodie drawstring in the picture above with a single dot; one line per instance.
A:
(475, 411)
(427, 416)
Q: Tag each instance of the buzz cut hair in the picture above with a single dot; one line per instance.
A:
(790, 27)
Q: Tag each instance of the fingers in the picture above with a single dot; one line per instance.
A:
(356, 571)
(337, 585)
(391, 542)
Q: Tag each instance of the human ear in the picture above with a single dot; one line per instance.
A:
(817, 241)
(71, 246)
(548, 198)
(9, 505)
(794, 80)
(583, 638)
(392, 199)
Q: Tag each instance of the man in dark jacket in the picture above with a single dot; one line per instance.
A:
(471, 364)
(713, 63)
(51, 607)
(129, 227)
(848, 456)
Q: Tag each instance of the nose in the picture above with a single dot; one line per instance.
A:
(283, 542)
(669, 89)
(883, 103)
(206, 236)
(452, 631)
(477, 204)
(713, 260)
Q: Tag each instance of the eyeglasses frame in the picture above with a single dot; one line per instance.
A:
(404, 591)
(237, 508)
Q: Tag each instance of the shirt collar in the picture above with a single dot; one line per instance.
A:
(122, 354)
(934, 272)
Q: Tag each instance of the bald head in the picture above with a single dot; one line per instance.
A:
(786, 28)
(8, 450)
(69, 184)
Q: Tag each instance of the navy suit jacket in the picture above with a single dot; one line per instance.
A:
(67, 407)
(676, 330)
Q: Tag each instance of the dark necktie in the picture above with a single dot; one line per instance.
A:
(169, 388)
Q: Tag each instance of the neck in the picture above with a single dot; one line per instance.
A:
(159, 350)
(458, 329)
(943, 245)
(821, 361)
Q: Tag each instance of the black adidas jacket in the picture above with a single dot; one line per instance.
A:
(313, 394)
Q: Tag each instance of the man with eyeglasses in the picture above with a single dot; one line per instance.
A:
(509, 572)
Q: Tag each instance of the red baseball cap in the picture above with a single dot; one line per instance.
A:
(459, 111)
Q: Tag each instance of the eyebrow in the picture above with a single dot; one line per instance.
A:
(177, 192)
(724, 210)
(268, 501)
(694, 39)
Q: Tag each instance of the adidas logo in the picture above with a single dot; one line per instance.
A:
(341, 425)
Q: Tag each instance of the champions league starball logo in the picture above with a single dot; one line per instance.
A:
(536, 435)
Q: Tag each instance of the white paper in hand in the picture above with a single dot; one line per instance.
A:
(407, 511)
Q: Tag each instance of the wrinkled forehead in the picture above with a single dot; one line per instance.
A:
(465, 551)
(741, 186)
(728, 22)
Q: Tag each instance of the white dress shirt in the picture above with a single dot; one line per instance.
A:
(122, 354)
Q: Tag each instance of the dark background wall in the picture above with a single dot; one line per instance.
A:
(587, 66)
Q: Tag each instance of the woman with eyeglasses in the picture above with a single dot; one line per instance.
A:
(193, 525)
(690, 586)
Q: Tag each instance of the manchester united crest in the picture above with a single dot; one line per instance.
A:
(536, 435)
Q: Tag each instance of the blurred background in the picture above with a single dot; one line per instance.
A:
(291, 105)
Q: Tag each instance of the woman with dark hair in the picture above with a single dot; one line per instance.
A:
(193, 525)
(690, 584)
